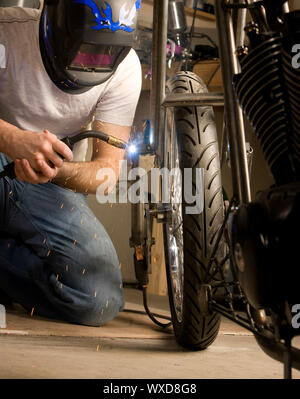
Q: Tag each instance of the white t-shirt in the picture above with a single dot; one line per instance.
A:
(30, 100)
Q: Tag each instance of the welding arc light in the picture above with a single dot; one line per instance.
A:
(132, 149)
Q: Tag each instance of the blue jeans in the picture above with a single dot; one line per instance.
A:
(55, 255)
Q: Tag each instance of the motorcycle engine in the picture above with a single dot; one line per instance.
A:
(268, 89)
(265, 232)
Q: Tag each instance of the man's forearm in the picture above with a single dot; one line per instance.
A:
(7, 135)
(82, 176)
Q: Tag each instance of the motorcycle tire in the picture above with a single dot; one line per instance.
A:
(192, 143)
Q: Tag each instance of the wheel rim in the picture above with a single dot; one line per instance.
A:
(175, 228)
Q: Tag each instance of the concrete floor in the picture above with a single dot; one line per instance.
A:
(130, 347)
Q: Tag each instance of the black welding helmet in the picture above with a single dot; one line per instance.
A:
(83, 41)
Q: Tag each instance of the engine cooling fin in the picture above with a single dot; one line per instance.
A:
(263, 96)
(292, 82)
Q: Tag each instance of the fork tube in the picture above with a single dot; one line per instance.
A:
(286, 7)
(233, 112)
(160, 30)
(241, 22)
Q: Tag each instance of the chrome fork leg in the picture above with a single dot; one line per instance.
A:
(233, 112)
(159, 44)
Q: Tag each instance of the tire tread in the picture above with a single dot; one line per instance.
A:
(198, 147)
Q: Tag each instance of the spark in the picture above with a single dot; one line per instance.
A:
(62, 205)
(44, 242)
(57, 277)
(32, 310)
(75, 242)
(83, 271)
(10, 193)
(48, 253)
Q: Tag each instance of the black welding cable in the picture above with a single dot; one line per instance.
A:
(150, 314)
(147, 311)
(9, 171)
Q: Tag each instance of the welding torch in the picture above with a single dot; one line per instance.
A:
(9, 169)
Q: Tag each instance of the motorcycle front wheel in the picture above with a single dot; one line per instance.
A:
(191, 143)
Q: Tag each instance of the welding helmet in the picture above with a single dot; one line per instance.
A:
(82, 42)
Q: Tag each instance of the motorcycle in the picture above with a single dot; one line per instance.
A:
(234, 258)
(237, 257)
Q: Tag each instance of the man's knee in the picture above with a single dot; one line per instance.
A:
(93, 298)
(107, 312)
(100, 312)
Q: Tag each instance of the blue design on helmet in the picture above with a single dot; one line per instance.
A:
(104, 17)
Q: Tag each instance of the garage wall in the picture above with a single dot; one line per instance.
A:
(116, 218)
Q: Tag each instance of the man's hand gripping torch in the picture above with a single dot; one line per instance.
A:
(9, 169)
